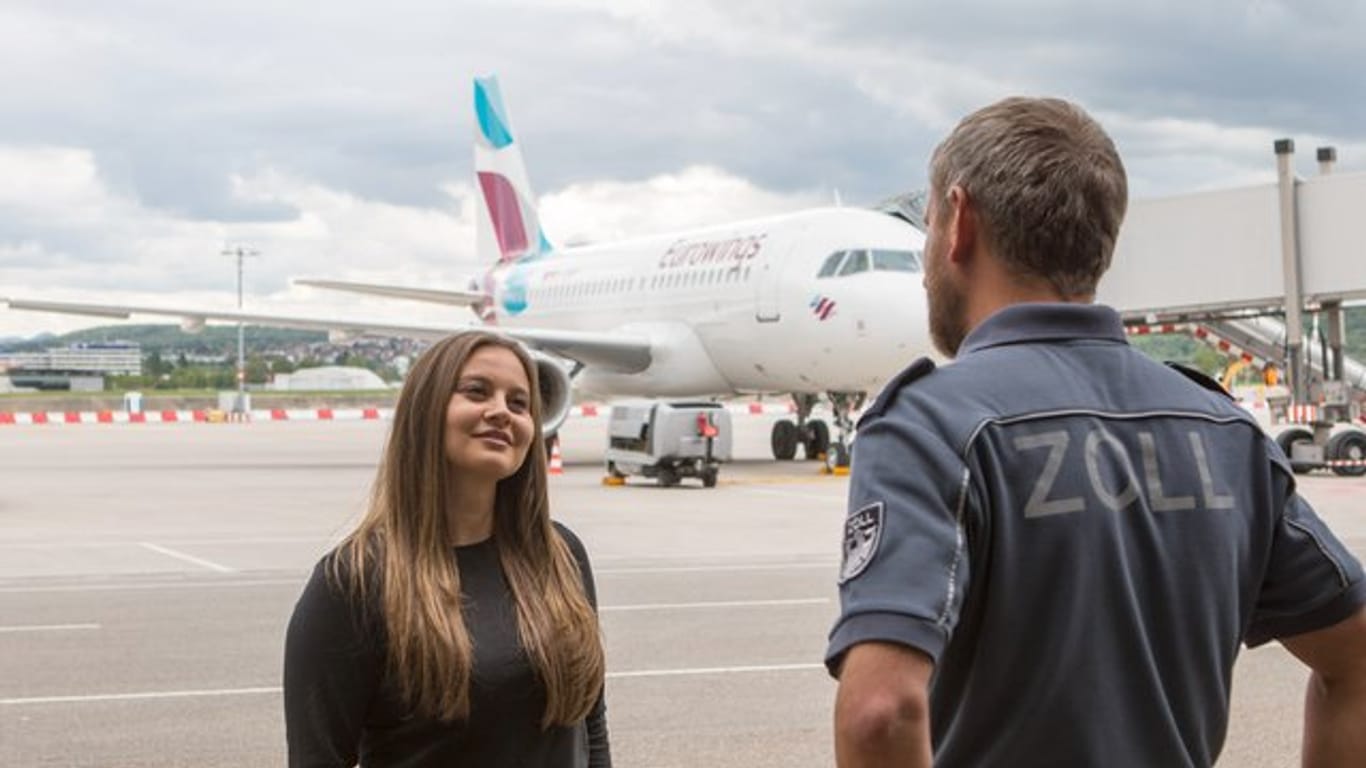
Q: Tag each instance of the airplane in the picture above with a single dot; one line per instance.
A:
(820, 303)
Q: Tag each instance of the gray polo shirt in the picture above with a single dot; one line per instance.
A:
(1080, 538)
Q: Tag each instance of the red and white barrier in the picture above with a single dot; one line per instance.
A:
(1303, 414)
(1200, 333)
(581, 411)
(195, 416)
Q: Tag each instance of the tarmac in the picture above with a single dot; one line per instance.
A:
(147, 573)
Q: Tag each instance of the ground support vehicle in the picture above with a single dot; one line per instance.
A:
(668, 441)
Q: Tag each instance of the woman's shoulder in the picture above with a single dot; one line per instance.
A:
(342, 570)
(332, 611)
(570, 538)
(580, 554)
(567, 534)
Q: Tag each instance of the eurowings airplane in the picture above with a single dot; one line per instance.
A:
(822, 303)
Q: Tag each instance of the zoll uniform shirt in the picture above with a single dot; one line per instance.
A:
(1081, 539)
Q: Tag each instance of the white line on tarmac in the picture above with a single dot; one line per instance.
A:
(718, 604)
(303, 577)
(43, 545)
(131, 587)
(713, 670)
(49, 628)
(187, 558)
(153, 695)
(716, 568)
(839, 500)
(137, 696)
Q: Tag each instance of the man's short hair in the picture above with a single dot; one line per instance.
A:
(1047, 184)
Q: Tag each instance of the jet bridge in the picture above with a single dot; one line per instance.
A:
(1228, 260)
(1216, 254)
(1266, 337)
(1259, 341)
(1283, 248)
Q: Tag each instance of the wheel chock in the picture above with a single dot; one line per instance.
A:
(609, 480)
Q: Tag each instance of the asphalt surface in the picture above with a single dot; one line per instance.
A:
(147, 573)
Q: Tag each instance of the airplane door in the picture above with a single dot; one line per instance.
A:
(768, 287)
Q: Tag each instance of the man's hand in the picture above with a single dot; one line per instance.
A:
(882, 711)
(1335, 705)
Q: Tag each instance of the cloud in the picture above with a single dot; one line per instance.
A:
(334, 234)
(136, 138)
(695, 197)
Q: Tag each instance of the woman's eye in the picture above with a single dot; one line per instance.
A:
(519, 405)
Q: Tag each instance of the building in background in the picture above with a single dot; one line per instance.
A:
(328, 378)
(79, 367)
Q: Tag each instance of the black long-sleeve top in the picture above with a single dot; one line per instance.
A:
(341, 709)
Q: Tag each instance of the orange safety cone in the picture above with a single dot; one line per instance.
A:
(556, 460)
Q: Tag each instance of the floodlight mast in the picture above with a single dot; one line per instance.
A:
(239, 406)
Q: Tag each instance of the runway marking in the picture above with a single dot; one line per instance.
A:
(718, 604)
(49, 545)
(303, 577)
(840, 500)
(742, 483)
(49, 628)
(299, 582)
(713, 670)
(276, 690)
(138, 696)
(715, 568)
(187, 558)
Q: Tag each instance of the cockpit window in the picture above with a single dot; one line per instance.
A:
(842, 263)
(857, 262)
(896, 261)
(832, 263)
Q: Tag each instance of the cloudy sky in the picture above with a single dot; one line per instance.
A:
(138, 138)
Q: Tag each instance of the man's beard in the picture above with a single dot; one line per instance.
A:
(948, 312)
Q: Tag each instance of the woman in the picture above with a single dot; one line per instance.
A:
(455, 626)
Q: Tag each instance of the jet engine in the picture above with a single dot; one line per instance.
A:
(555, 391)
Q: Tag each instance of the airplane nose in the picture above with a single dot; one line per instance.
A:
(904, 304)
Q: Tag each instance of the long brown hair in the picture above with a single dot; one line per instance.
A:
(402, 549)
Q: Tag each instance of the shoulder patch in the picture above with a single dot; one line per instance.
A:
(862, 535)
(917, 370)
(1199, 378)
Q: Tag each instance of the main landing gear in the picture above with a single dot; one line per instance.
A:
(813, 435)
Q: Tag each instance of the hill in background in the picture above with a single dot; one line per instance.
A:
(214, 339)
(222, 340)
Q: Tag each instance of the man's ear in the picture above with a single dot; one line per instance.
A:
(962, 226)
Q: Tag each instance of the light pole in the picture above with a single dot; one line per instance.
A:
(240, 404)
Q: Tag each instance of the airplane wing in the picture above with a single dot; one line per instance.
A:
(609, 351)
(435, 296)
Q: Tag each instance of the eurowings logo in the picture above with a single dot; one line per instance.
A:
(515, 292)
(823, 307)
(503, 185)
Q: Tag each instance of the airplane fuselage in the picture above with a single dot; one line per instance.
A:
(736, 309)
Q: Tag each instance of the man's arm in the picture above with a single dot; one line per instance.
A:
(882, 709)
(1335, 704)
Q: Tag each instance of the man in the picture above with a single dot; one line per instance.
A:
(1055, 546)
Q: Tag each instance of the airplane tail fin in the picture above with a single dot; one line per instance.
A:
(508, 227)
